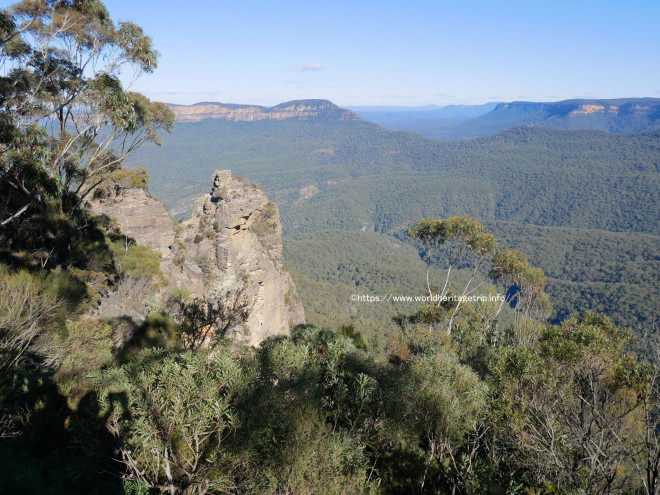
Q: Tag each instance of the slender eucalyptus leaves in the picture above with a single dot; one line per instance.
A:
(463, 243)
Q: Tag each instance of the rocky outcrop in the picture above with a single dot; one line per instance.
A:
(140, 216)
(300, 109)
(572, 108)
(235, 237)
(231, 245)
(588, 109)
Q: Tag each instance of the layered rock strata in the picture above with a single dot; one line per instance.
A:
(300, 109)
(140, 216)
(231, 244)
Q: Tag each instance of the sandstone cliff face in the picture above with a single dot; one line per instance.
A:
(235, 237)
(302, 109)
(591, 109)
(232, 243)
(140, 216)
(640, 107)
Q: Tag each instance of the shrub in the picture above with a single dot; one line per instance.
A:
(137, 261)
(87, 347)
(158, 330)
(355, 335)
(173, 414)
(311, 458)
(122, 178)
(27, 307)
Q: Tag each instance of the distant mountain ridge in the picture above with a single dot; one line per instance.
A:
(296, 109)
(640, 106)
(384, 114)
(617, 116)
(454, 122)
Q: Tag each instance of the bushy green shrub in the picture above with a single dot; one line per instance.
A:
(86, 348)
(355, 335)
(311, 457)
(266, 222)
(122, 178)
(137, 260)
(173, 413)
(28, 306)
(158, 330)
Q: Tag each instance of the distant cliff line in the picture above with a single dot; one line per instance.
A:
(297, 109)
(570, 108)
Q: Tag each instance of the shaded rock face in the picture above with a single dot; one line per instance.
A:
(140, 216)
(300, 109)
(231, 244)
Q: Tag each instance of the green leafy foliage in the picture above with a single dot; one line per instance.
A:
(137, 260)
(311, 458)
(565, 198)
(467, 412)
(172, 414)
(86, 348)
(27, 307)
(67, 121)
(355, 335)
(122, 179)
(159, 330)
(570, 403)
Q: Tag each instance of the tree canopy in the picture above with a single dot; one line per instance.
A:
(67, 115)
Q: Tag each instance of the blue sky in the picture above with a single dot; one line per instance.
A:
(398, 53)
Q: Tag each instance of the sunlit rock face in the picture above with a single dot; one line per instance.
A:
(300, 109)
(231, 244)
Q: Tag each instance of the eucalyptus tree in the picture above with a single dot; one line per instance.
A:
(463, 241)
(465, 244)
(67, 115)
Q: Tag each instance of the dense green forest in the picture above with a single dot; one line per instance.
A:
(612, 273)
(452, 396)
(338, 175)
(582, 179)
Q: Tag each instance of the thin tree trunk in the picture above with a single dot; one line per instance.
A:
(15, 215)
(428, 282)
(168, 473)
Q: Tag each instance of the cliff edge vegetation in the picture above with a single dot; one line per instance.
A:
(123, 364)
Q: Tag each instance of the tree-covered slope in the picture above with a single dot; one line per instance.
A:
(581, 179)
(624, 115)
(610, 272)
(332, 268)
(579, 185)
(591, 270)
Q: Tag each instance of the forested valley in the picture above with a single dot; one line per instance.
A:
(583, 205)
(550, 384)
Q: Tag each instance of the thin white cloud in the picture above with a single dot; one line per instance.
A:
(312, 66)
